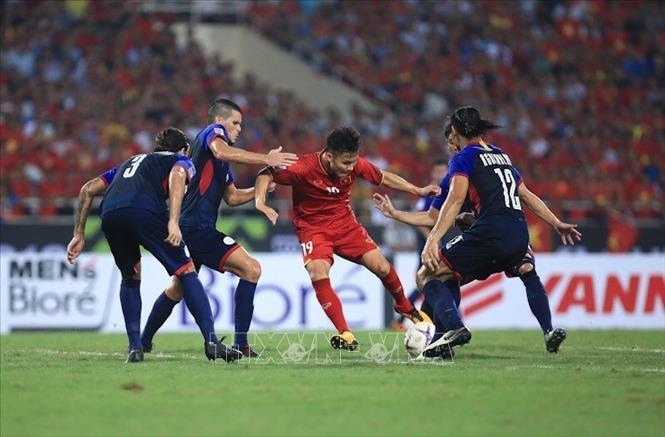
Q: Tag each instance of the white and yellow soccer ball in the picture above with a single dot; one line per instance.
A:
(418, 337)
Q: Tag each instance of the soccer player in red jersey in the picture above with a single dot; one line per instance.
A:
(325, 223)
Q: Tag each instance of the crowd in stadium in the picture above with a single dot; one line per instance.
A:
(577, 86)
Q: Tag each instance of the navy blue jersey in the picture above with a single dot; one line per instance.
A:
(437, 201)
(444, 184)
(493, 181)
(142, 182)
(424, 203)
(205, 192)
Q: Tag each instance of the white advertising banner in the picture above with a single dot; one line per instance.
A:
(44, 292)
(585, 291)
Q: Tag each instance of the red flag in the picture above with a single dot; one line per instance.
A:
(540, 233)
(621, 233)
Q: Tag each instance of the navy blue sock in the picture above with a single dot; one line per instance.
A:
(130, 300)
(198, 304)
(440, 327)
(244, 300)
(538, 301)
(443, 304)
(161, 311)
(455, 291)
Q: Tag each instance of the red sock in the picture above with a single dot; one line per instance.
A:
(330, 303)
(392, 283)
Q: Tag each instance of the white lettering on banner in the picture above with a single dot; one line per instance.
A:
(45, 291)
(585, 291)
(284, 298)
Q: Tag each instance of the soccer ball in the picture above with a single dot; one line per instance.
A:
(418, 337)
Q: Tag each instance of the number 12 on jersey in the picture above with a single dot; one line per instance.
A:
(509, 187)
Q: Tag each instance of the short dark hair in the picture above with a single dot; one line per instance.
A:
(223, 108)
(171, 139)
(447, 130)
(467, 121)
(344, 139)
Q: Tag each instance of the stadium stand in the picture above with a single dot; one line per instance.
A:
(578, 87)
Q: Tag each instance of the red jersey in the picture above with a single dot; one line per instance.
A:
(319, 198)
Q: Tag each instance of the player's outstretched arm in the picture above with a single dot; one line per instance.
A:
(177, 181)
(261, 186)
(451, 207)
(415, 218)
(234, 196)
(397, 182)
(275, 158)
(566, 231)
(91, 189)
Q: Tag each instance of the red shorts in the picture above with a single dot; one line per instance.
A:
(350, 242)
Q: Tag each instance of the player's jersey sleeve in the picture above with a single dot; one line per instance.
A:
(518, 177)
(108, 176)
(186, 164)
(368, 171)
(287, 176)
(445, 187)
(214, 131)
(462, 165)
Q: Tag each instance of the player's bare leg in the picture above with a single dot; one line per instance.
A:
(376, 262)
(319, 274)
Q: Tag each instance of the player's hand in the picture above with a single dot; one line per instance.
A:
(430, 256)
(277, 158)
(429, 190)
(269, 212)
(464, 220)
(175, 236)
(383, 204)
(568, 233)
(74, 248)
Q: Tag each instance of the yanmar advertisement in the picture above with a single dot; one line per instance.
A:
(585, 291)
(39, 291)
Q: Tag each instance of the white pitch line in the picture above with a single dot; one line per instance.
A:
(108, 354)
(631, 349)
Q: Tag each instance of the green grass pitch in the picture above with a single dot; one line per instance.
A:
(503, 383)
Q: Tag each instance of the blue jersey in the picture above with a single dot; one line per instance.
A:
(205, 192)
(493, 181)
(142, 182)
(437, 201)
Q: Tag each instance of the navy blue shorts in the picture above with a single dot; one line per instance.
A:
(486, 248)
(127, 228)
(209, 247)
(528, 258)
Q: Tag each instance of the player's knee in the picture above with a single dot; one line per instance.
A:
(252, 271)
(316, 274)
(525, 268)
(135, 274)
(174, 292)
(382, 269)
(422, 277)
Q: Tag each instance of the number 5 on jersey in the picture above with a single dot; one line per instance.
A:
(307, 248)
(134, 165)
